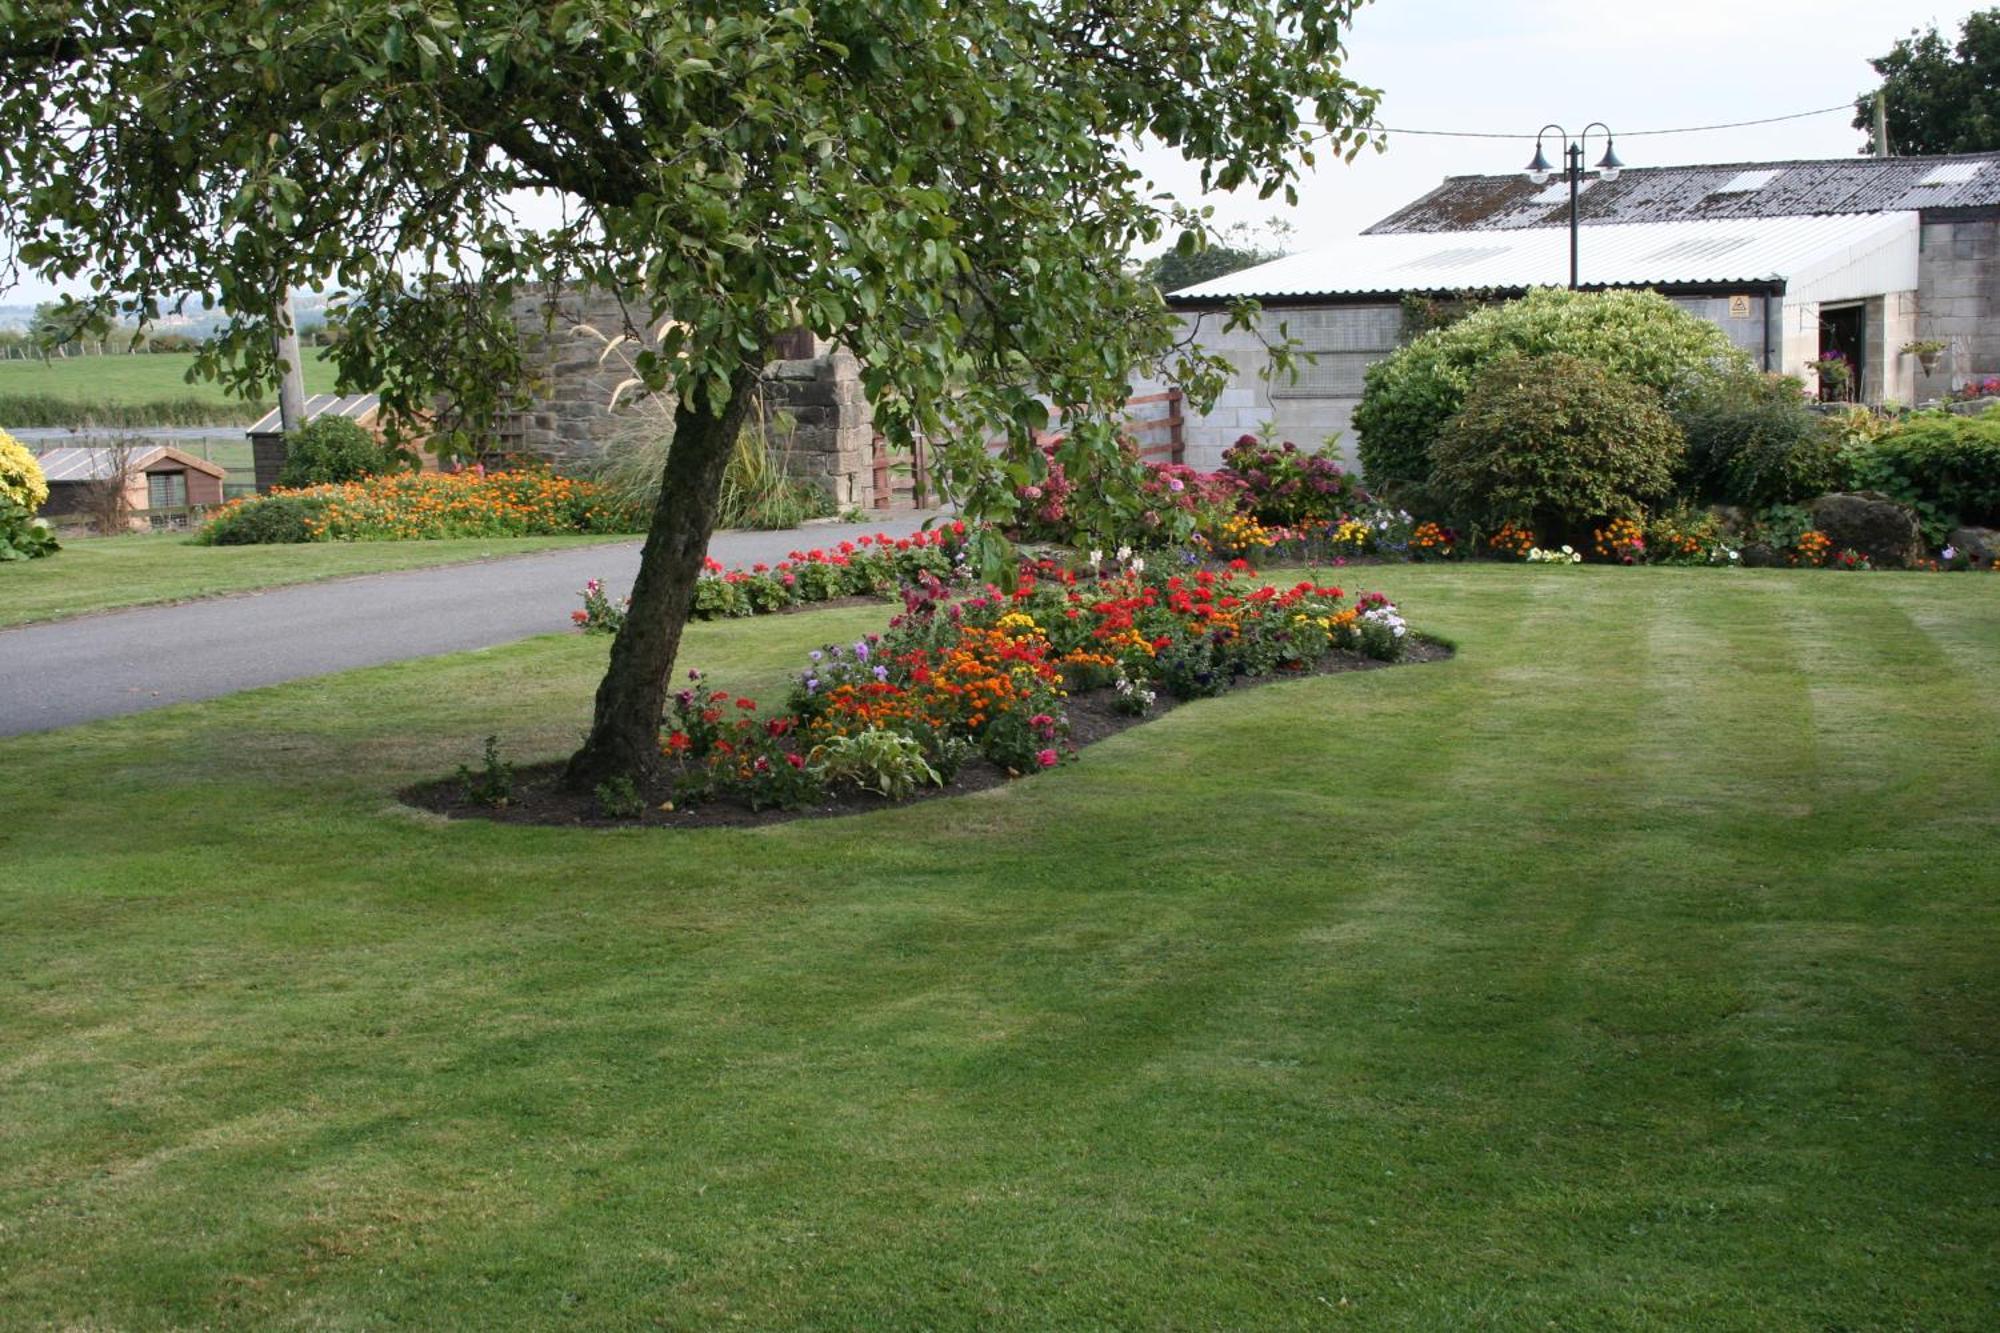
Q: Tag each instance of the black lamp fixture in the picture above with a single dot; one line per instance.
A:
(1539, 172)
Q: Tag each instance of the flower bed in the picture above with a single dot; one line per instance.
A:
(867, 566)
(963, 693)
(409, 506)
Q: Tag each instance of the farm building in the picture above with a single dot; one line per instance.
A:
(162, 485)
(1793, 259)
(267, 436)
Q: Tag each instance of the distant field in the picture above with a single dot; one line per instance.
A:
(127, 391)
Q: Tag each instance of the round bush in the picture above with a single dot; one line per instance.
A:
(333, 449)
(1752, 441)
(264, 520)
(1555, 444)
(1638, 337)
(21, 478)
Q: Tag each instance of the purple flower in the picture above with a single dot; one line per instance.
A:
(815, 654)
(812, 683)
(861, 649)
(881, 673)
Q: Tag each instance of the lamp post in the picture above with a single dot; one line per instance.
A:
(1539, 172)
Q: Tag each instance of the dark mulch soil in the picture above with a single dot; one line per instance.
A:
(539, 797)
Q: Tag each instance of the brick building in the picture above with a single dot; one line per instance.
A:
(1793, 259)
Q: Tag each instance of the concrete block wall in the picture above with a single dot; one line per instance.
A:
(1744, 330)
(1958, 300)
(1319, 405)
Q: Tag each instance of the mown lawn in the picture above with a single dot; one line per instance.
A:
(1636, 969)
(104, 573)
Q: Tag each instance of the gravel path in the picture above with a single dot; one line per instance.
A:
(98, 666)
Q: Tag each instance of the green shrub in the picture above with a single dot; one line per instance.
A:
(1946, 466)
(1555, 444)
(334, 449)
(22, 535)
(265, 519)
(1753, 441)
(1639, 337)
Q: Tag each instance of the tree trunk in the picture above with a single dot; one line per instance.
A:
(624, 736)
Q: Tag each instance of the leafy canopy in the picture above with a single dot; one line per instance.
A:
(1943, 97)
(1237, 247)
(941, 187)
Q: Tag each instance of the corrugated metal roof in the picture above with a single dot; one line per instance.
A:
(1674, 194)
(1641, 254)
(80, 464)
(354, 406)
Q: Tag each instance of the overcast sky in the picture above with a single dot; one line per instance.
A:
(1513, 65)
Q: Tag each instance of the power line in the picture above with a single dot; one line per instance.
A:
(1632, 134)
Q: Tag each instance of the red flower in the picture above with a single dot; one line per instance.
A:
(747, 705)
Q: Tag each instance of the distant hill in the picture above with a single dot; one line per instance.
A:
(196, 323)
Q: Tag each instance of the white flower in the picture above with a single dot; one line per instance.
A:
(1138, 566)
(1096, 556)
(1569, 550)
(1124, 554)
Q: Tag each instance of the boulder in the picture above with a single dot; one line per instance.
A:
(1761, 555)
(1871, 523)
(1979, 545)
(1734, 520)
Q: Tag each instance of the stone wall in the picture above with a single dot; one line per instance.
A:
(569, 377)
(571, 382)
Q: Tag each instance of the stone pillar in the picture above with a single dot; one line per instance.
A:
(820, 425)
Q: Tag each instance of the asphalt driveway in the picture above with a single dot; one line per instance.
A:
(72, 671)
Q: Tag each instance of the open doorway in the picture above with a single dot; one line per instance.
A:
(1842, 330)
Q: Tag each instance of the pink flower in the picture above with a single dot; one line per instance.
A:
(1047, 759)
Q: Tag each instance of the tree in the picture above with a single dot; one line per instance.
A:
(1236, 249)
(1942, 99)
(940, 187)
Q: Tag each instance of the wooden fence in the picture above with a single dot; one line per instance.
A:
(1160, 437)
